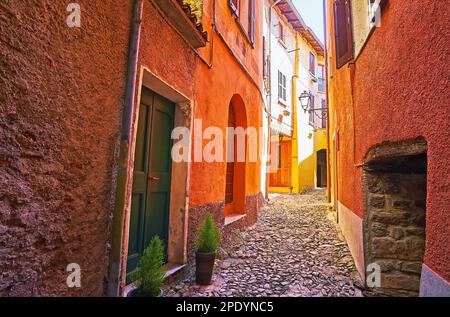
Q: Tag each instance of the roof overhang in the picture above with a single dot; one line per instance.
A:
(292, 15)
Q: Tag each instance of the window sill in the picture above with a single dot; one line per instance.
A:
(282, 103)
(169, 269)
(282, 43)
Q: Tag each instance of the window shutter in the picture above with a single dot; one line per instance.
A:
(234, 5)
(264, 57)
(343, 32)
(312, 63)
(280, 31)
(251, 31)
(280, 91)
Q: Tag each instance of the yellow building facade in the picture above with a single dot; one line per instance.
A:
(302, 153)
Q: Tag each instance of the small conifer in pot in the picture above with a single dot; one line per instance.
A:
(149, 274)
(208, 240)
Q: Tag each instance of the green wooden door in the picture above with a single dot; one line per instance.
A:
(152, 173)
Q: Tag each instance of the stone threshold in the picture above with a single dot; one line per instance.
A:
(170, 270)
(233, 218)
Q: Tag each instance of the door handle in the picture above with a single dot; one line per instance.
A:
(154, 178)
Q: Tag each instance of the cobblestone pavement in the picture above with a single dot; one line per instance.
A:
(295, 249)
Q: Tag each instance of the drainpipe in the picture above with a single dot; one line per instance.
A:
(118, 226)
(294, 154)
(327, 101)
(269, 111)
(211, 51)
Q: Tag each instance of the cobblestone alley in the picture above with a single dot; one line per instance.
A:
(295, 249)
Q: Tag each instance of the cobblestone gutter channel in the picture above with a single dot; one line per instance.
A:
(295, 249)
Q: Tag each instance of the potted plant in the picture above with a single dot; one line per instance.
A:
(208, 239)
(149, 275)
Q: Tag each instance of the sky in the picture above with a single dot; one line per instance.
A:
(312, 13)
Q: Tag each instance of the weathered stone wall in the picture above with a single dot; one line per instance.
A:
(198, 213)
(395, 229)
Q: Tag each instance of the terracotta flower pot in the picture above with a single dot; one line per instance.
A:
(204, 266)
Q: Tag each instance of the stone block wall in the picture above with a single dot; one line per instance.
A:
(395, 229)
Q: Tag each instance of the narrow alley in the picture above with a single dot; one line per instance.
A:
(295, 249)
(224, 148)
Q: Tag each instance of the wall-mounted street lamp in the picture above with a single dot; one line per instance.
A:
(305, 102)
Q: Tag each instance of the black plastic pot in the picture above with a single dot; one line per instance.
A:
(204, 266)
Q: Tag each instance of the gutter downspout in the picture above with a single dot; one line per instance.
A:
(328, 102)
(214, 28)
(114, 287)
(294, 154)
(269, 113)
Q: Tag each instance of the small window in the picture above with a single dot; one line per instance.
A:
(234, 5)
(281, 32)
(321, 77)
(251, 17)
(282, 86)
(312, 63)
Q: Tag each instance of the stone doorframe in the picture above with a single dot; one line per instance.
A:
(375, 160)
(179, 192)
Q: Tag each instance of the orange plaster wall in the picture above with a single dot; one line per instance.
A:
(214, 89)
(342, 123)
(211, 89)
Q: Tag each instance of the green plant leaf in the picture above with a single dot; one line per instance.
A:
(149, 274)
(196, 7)
(208, 236)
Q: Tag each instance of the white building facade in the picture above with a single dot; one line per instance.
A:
(294, 63)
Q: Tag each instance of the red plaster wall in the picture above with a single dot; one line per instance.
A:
(164, 52)
(61, 93)
(399, 88)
